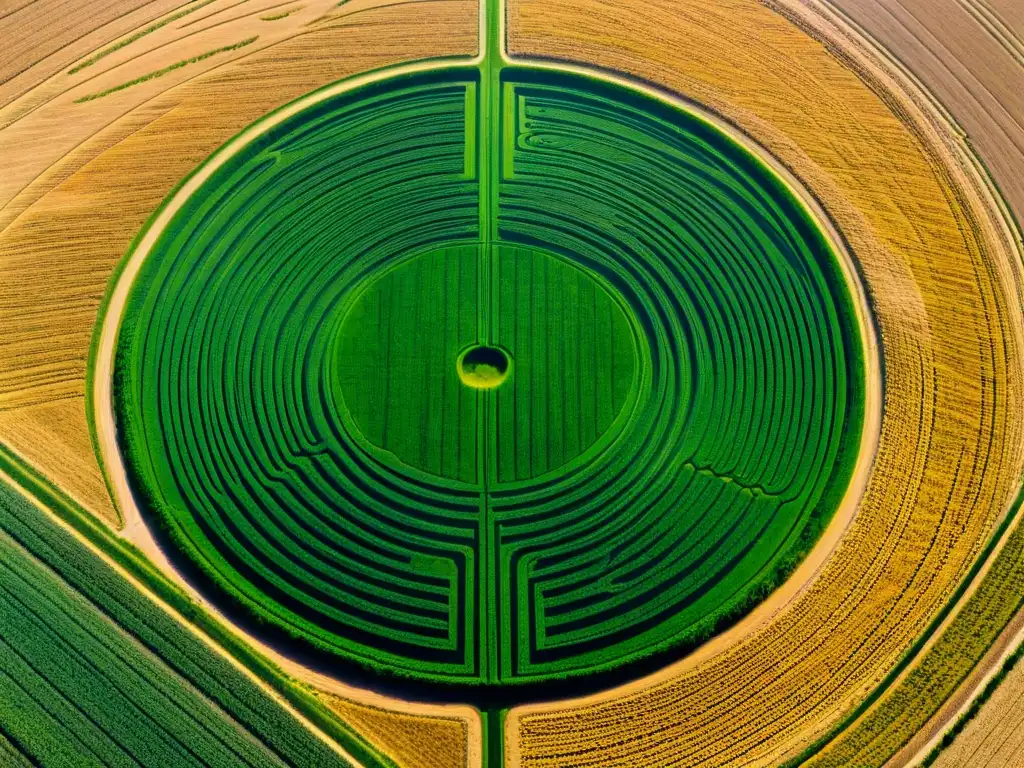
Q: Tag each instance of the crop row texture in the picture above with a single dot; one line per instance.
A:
(116, 680)
(681, 420)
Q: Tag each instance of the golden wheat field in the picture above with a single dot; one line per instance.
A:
(511, 383)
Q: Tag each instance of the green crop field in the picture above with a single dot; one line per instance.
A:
(491, 375)
(92, 673)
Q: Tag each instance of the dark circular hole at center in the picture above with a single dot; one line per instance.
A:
(484, 367)
(489, 356)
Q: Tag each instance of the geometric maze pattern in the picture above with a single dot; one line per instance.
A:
(681, 419)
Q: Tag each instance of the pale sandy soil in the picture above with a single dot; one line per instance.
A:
(1008, 12)
(925, 514)
(970, 54)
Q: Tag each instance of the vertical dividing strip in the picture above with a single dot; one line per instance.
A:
(488, 150)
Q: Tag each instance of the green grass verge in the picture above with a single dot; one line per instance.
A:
(132, 38)
(171, 68)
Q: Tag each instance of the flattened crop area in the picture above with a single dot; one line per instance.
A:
(491, 376)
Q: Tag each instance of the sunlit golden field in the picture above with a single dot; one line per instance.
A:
(536, 383)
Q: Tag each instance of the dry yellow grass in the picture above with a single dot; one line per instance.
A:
(949, 456)
(411, 741)
(54, 434)
(86, 176)
(39, 41)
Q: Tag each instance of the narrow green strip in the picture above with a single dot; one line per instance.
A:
(493, 723)
(277, 16)
(165, 70)
(129, 40)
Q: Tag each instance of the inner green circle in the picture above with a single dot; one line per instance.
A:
(678, 417)
(406, 379)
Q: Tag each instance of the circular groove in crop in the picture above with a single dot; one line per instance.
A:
(682, 419)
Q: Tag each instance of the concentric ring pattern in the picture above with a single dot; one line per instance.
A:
(681, 418)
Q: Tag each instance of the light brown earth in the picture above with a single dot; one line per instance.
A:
(970, 55)
(950, 453)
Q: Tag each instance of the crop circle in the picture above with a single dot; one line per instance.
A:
(682, 420)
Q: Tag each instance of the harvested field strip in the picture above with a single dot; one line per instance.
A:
(165, 70)
(410, 740)
(991, 731)
(40, 43)
(971, 62)
(79, 639)
(208, 671)
(142, 33)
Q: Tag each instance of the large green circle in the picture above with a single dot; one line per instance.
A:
(680, 418)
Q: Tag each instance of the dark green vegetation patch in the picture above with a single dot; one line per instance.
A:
(676, 421)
